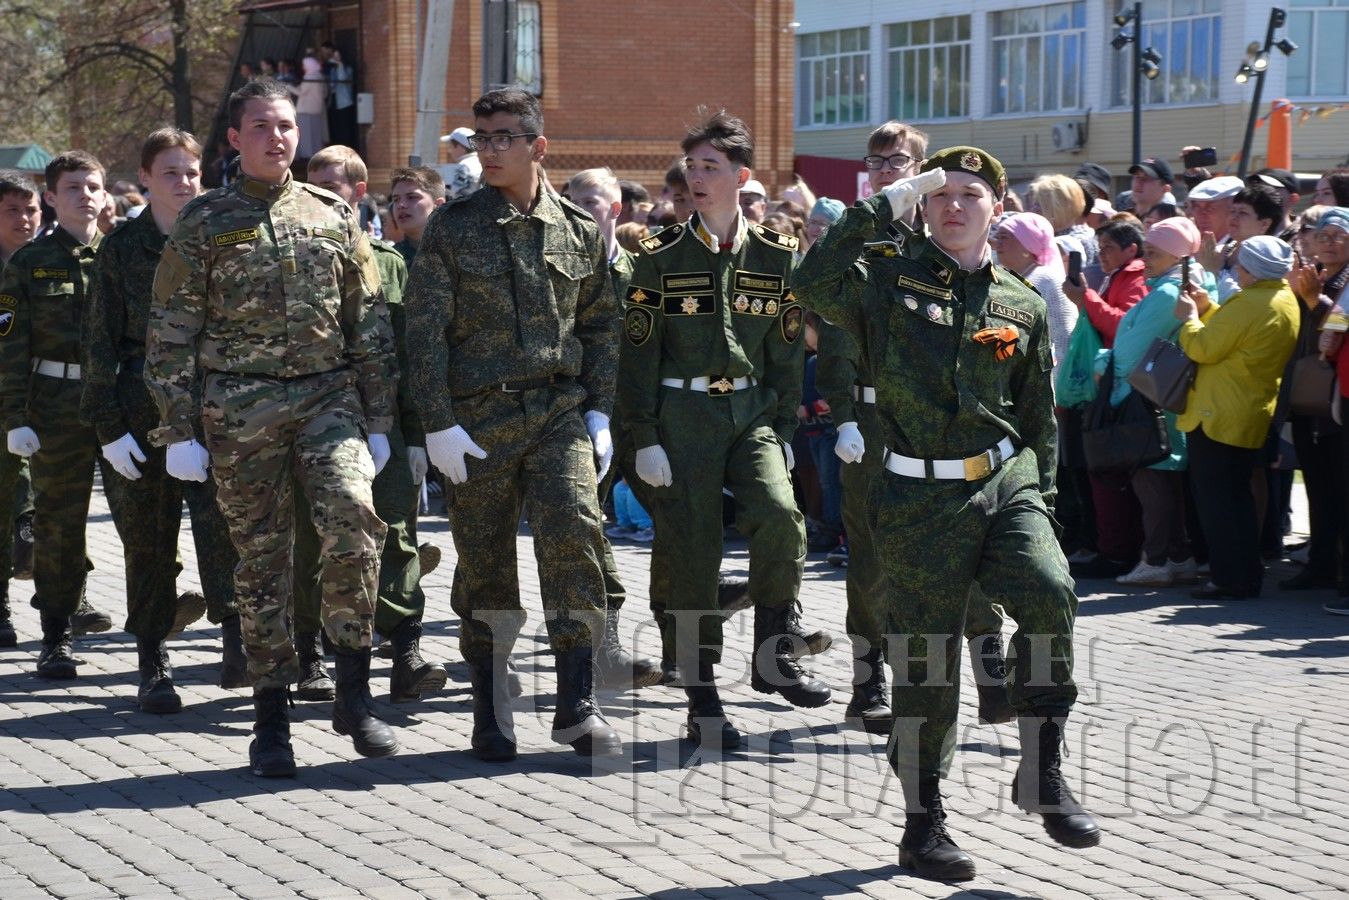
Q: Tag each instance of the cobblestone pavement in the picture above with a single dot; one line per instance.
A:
(1210, 738)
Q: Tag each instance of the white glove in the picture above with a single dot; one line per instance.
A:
(418, 463)
(905, 193)
(653, 466)
(379, 450)
(23, 441)
(446, 449)
(123, 454)
(597, 424)
(187, 461)
(850, 446)
(789, 455)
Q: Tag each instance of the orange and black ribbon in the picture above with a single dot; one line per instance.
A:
(1004, 339)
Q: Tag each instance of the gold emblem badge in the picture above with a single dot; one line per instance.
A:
(722, 385)
(638, 296)
(972, 162)
(771, 307)
(689, 306)
(757, 306)
(741, 303)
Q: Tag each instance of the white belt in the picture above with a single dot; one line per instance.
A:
(971, 469)
(864, 394)
(53, 369)
(708, 385)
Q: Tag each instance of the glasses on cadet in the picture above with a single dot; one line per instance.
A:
(498, 142)
(897, 161)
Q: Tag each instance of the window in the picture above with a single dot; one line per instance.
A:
(833, 69)
(1188, 35)
(929, 68)
(1320, 67)
(1037, 58)
(510, 55)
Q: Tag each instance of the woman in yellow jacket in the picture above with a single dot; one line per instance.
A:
(1241, 349)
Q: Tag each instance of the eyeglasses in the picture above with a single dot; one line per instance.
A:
(1326, 237)
(498, 142)
(897, 161)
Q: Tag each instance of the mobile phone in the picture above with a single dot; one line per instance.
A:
(1184, 272)
(1198, 159)
(1075, 267)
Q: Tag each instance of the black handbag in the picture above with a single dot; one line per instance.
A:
(1164, 375)
(1126, 437)
(1313, 389)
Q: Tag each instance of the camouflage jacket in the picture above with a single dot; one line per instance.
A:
(393, 277)
(692, 310)
(941, 393)
(620, 270)
(271, 280)
(42, 296)
(496, 295)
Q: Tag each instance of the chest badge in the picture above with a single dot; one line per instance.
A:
(689, 306)
(771, 307)
(911, 302)
(934, 312)
(1003, 338)
(741, 303)
(756, 307)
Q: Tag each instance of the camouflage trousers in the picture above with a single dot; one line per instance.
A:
(267, 437)
(400, 593)
(16, 494)
(938, 539)
(148, 513)
(539, 461)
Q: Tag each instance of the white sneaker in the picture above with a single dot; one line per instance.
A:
(1144, 574)
(1184, 572)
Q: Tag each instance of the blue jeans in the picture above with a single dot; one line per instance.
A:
(626, 508)
(831, 488)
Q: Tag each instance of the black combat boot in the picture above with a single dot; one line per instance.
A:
(669, 672)
(352, 707)
(314, 681)
(707, 722)
(577, 720)
(87, 620)
(270, 755)
(191, 607)
(233, 663)
(869, 703)
(807, 643)
(774, 669)
(615, 667)
(23, 547)
(8, 636)
(732, 594)
(412, 676)
(927, 848)
(56, 660)
(493, 720)
(156, 693)
(1038, 786)
(990, 679)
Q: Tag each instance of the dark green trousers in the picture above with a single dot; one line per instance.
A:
(16, 494)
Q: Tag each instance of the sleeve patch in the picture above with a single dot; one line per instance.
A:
(638, 325)
(8, 300)
(1021, 316)
(240, 236)
(6, 322)
(641, 296)
(792, 318)
(171, 274)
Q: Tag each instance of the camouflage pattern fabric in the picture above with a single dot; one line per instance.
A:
(216, 557)
(16, 495)
(620, 272)
(943, 395)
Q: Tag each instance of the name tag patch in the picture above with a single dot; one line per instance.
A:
(230, 238)
(688, 283)
(330, 233)
(755, 283)
(45, 274)
(930, 289)
(1011, 312)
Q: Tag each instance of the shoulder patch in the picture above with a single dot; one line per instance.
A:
(638, 323)
(8, 300)
(331, 234)
(998, 308)
(792, 320)
(6, 322)
(666, 237)
(239, 236)
(639, 296)
(774, 238)
(881, 249)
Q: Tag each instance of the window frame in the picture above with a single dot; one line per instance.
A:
(1307, 44)
(1075, 80)
(1120, 82)
(908, 57)
(825, 68)
(501, 47)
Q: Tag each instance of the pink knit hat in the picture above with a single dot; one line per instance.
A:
(1034, 232)
(1176, 235)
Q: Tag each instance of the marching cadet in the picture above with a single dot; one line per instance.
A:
(710, 376)
(269, 288)
(512, 349)
(146, 503)
(959, 350)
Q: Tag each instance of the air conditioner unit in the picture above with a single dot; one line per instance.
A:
(1071, 135)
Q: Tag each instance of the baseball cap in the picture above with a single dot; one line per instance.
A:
(460, 136)
(1155, 168)
(754, 186)
(1279, 178)
(1097, 175)
(1102, 207)
(1219, 188)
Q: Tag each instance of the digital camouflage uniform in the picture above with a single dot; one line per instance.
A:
(941, 394)
(692, 311)
(272, 292)
(396, 496)
(115, 401)
(42, 295)
(497, 297)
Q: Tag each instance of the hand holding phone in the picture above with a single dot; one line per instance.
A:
(1075, 267)
(1201, 158)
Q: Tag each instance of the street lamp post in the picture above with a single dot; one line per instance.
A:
(1146, 64)
(1257, 65)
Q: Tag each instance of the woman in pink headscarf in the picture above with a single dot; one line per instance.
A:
(1025, 244)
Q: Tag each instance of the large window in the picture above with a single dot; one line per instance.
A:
(1188, 35)
(1320, 67)
(1037, 58)
(511, 41)
(929, 68)
(832, 70)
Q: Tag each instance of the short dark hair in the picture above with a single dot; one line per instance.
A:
(1339, 185)
(257, 89)
(896, 132)
(1124, 233)
(424, 177)
(1163, 209)
(632, 192)
(12, 181)
(71, 161)
(1266, 203)
(515, 101)
(167, 138)
(675, 179)
(725, 133)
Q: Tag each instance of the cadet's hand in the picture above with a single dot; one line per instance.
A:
(447, 448)
(418, 463)
(597, 424)
(187, 461)
(905, 193)
(123, 454)
(23, 441)
(379, 450)
(850, 445)
(653, 466)
(789, 456)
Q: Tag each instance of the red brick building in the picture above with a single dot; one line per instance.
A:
(618, 79)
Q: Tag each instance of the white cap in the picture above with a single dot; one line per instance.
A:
(1217, 188)
(460, 135)
(753, 186)
(1102, 207)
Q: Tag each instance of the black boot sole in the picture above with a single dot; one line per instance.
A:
(872, 724)
(811, 702)
(494, 754)
(316, 693)
(1078, 840)
(90, 624)
(959, 871)
(633, 681)
(431, 679)
(191, 607)
(162, 707)
(819, 642)
(725, 740)
(57, 672)
(278, 768)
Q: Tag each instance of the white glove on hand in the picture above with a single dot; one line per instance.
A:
(597, 424)
(653, 466)
(905, 193)
(446, 449)
(187, 461)
(123, 454)
(789, 455)
(418, 463)
(379, 450)
(23, 441)
(850, 446)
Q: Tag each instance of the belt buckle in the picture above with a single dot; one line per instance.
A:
(979, 467)
(721, 387)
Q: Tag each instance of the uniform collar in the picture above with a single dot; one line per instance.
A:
(546, 209)
(69, 242)
(145, 230)
(709, 240)
(263, 190)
